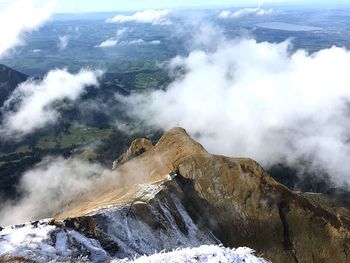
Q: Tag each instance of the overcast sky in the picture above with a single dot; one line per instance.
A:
(73, 6)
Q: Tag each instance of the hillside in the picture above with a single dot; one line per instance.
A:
(175, 194)
(9, 79)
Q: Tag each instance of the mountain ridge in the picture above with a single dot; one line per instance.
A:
(176, 193)
(244, 199)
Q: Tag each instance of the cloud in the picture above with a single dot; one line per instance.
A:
(112, 42)
(245, 98)
(245, 12)
(47, 189)
(122, 31)
(155, 42)
(139, 42)
(55, 184)
(149, 16)
(204, 36)
(30, 106)
(118, 40)
(258, 11)
(63, 42)
(19, 18)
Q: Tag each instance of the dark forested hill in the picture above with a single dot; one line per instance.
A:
(9, 79)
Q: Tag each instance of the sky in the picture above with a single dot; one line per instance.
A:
(122, 5)
(85, 6)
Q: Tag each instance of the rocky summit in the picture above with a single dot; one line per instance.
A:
(177, 195)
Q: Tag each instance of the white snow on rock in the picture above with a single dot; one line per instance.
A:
(124, 236)
(42, 242)
(202, 254)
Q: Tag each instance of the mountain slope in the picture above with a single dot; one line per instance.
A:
(9, 80)
(175, 194)
(237, 200)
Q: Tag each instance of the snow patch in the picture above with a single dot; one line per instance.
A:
(41, 242)
(148, 191)
(202, 254)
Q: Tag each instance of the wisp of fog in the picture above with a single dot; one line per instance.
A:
(48, 188)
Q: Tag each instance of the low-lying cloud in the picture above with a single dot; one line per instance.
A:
(19, 18)
(139, 41)
(258, 11)
(113, 41)
(63, 42)
(245, 12)
(119, 40)
(149, 16)
(48, 188)
(259, 100)
(58, 185)
(30, 106)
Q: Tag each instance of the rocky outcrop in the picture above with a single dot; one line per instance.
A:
(138, 146)
(176, 194)
(156, 220)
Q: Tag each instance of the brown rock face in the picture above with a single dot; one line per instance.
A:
(138, 146)
(232, 197)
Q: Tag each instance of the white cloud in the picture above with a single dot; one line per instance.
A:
(204, 36)
(155, 42)
(48, 187)
(139, 42)
(256, 99)
(258, 11)
(112, 42)
(135, 42)
(117, 40)
(63, 42)
(245, 12)
(149, 16)
(122, 31)
(20, 17)
(33, 100)
(52, 185)
(225, 14)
